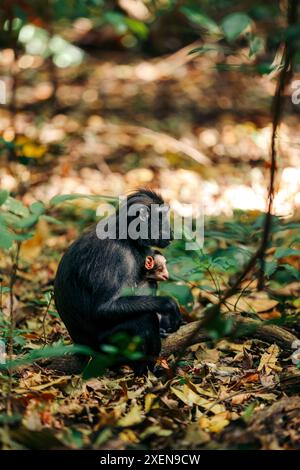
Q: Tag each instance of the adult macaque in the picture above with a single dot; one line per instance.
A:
(94, 271)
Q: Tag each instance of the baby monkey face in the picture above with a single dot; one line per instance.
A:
(156, 268)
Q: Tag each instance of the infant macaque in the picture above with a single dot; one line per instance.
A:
(155, 270)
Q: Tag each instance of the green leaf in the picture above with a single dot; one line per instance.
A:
(16, 207)
(183, 266)
(4, 290)
(117, 20)
(255, 45)
(137, 27)
(291, 270)
(181, 292)
(196, 16)
(9, 219)
(282, 252)
(51, 351)
(37, 208)
(71, 197)
(249, 411)
(51, 220)
(265, 68)
(3, 196)
(28, 222)
(6, 239)
(96, 366)
(21, 237)
(234, 24)
(109, 348)
(270, 268)
(208, 48)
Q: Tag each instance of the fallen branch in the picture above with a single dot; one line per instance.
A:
(242, 327)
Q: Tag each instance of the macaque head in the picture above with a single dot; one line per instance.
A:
(156, 267)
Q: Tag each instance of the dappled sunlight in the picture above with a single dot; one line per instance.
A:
(88, 138)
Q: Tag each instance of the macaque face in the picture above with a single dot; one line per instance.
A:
(156, 267)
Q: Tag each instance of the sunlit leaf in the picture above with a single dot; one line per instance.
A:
(234, 24)
(3, 196)
(16, 207)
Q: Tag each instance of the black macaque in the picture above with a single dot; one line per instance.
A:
(95, 270)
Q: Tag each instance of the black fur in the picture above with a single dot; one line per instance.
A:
(88, 289)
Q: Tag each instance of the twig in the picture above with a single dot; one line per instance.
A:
(44, 318)
(12, 323)
(287, 59)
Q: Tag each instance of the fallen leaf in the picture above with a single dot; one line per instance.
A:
(269, 359)
(289, 290)
(216, 423)
(269, 380)
(270, 315)
(249, 378)
(240, 398)
(129, 436)
(134, 416)
(149, 400)
(31, 248)
(255, 302)
(190, 398)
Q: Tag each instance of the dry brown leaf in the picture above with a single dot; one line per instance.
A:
(268, 361)
(249, 378)
(290, 289)
(210, 355)
(270, 315)
(240, 398)
(190, 398)
(195, 435)
(268, 380)
(59, 381)
(255, 302)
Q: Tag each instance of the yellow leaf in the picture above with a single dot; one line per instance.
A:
(149, 399)
(190, 398)
(31, 248)
(128, 436)
(216, 423)
(134, 416)
(219, 422)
